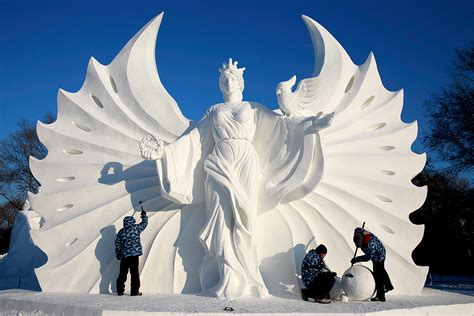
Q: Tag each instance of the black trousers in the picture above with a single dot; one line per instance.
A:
(382, 280)
(129, 263)
(321, 285)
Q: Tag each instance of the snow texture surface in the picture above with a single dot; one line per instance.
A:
(36, 303)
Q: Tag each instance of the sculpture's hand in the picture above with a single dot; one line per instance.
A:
(321, 121)
(150, 152)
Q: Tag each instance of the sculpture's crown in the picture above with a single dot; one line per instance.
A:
(231, 67)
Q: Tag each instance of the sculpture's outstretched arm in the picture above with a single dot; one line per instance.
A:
(322, 121)
(148, 151)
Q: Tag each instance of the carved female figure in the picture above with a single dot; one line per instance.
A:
(230, 267)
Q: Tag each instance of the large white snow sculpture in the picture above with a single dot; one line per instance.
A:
(228, 226)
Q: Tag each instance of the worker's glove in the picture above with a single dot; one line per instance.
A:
(354, 260)
(143, 213)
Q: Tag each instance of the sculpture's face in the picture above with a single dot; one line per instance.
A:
(229, 84)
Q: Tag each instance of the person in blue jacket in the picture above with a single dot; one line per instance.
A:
(316, 276)
(373, 250)
(127, 249)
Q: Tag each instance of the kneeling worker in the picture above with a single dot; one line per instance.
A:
(317, 278)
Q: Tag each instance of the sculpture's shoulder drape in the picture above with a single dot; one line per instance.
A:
(181, 167)
(290, 156)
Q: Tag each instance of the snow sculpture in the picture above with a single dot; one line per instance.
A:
(358, 283)
(17, 267)
(235, 197)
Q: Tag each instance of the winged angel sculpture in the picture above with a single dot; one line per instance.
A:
(236, 197)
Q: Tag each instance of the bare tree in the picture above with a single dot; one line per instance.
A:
(16, 179)
(451, 114)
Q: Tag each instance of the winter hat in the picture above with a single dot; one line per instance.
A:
(321, 249)
(358, 236)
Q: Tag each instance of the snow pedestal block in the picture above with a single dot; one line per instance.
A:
(358, 283)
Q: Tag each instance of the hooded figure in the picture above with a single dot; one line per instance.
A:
(127, 249)
(374, 251)
(316, 276)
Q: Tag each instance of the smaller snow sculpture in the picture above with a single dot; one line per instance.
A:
(358, 283)
(17, 267)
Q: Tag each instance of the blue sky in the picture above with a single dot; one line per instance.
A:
(46, 45)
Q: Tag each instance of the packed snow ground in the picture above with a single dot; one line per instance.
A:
(20, 302)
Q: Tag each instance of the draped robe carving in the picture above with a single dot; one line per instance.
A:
(244, 175)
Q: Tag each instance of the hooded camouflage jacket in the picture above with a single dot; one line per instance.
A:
(312, 266)
(374, 250)
(127, 242)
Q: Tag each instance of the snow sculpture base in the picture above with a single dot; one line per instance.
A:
(431, 302)
(358, 283)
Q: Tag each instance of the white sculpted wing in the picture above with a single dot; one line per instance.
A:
(306, 93)
(94, 175)
(368, 168)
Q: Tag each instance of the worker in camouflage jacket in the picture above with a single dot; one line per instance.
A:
(127, 249)
(316, 276)
(373, 250)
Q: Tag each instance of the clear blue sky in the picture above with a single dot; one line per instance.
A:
(46, 45)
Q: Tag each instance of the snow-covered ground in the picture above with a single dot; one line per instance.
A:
(466, 288)
(19, 302)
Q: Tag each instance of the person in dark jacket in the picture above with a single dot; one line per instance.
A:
(127, 249)
(316, 276)
(373, 250)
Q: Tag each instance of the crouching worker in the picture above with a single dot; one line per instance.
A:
(375, 251)
(317, 278)
(127, 249)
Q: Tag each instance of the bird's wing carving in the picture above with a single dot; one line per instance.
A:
(305, 96)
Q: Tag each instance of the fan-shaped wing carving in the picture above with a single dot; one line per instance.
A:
(368, 168)
(94, 174)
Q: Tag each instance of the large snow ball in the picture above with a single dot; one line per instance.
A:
(358, 283)
(336, 290)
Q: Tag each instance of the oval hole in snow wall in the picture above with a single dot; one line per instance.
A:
(387, 172)
(349, 85)
(384, 198)
(72, 151)
(112, 83)
(387, 229)
(367, 102)
(81, 126)
(377, 126)
(97, 101)
(64, 207)
(386, 148)
(65, 179)
(71, 242)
